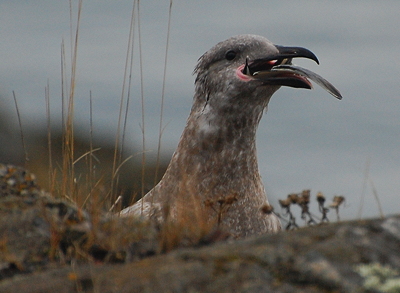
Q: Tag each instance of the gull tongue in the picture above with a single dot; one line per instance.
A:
(311, 75)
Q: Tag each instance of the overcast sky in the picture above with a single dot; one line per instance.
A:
(308, 139)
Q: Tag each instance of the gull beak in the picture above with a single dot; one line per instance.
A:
(279, 70)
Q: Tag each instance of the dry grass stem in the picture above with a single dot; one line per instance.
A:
(160, 130)
(20, 128)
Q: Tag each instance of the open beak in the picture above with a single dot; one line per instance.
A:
(279, 70)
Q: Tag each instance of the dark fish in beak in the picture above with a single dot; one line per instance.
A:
(279, 70)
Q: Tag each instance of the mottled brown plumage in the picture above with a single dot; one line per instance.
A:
(214, 169)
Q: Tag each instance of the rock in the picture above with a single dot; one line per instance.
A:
(38, 233)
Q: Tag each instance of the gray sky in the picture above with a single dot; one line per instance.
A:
(308, 139)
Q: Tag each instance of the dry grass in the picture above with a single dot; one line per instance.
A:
(87, 189)
(91, 191)
(187, 224)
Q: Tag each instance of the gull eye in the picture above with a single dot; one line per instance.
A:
(230, 55)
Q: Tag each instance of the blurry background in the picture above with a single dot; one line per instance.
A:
(308, 139)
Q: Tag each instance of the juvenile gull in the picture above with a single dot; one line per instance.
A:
(214, 168)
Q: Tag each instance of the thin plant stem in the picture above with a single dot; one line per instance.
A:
(160, 131)
(91, 170)
(142, 103)
(375, 193)
(49, 147)
(64, 92)
(20, 128)
(364, 188)
(129, 88)
(68, 155)
(117, 158)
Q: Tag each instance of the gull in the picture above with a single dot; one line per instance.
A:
(213, 174)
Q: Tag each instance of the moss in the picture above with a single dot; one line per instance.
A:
(379, 277)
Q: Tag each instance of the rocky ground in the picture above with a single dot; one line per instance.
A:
(49, 245)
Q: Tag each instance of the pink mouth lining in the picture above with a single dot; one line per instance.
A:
(241, 75)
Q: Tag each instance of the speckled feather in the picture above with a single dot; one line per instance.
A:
(216, 157)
